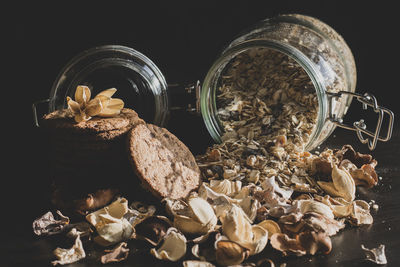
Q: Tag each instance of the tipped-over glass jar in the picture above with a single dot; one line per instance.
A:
(291, 74)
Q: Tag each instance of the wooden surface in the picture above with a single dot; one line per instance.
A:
(22, 248)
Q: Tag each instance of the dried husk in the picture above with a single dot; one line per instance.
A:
(315, 206)
(342, 184)
(237, 227)
(314, 242)
(110, 224)
(229, 253)
(360, 213)
(226, 187)
(73, 254)
(197, 218)
(271, 226)
(376, 255)
(287, 245)
(48, 225)
(152, 229)
(117, 254)
(173, 246)
(194, 263)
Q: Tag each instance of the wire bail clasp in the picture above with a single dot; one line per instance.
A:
(360, 127)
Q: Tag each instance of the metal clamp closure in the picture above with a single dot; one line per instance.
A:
(359, 126)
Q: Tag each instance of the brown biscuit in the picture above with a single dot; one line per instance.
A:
(101, 128)
(162, 162)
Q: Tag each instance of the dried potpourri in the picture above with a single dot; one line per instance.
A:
(260, 187)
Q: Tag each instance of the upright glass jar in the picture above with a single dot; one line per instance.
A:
(316, 47)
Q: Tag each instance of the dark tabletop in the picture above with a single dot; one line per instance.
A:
(183, 40)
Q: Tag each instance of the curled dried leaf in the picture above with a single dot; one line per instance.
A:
(73, 254)
(173, 246)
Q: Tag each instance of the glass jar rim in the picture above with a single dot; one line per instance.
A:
(207, 99)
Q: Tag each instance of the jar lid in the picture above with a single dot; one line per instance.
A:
(139, 82)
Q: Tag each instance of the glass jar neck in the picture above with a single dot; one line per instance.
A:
(210, 86)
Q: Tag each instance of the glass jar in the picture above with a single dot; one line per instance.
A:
(316, 47)
(325, 57)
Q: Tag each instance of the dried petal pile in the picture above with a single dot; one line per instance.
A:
(260, 187)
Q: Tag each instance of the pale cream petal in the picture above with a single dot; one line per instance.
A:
(94, 107)
(107, 93)
(82, 94)
(73, 106)
(107, 112)
(173, 247)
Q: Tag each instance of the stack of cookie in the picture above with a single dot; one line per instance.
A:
(96, 160)
(88, 157)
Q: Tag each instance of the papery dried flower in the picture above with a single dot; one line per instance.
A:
(271, 226)
(230, 253)
(152, 229)
(237, 227)
(342, 184)
(173, 246)
(197, 218)
(376, 255)
(110, 224)
(194, 263)
(102, 104)
(287, 245)
(117, 254)
(48, 225)
(73, 254)
(314, 242)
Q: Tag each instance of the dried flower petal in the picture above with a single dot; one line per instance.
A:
(82, 95)
(287, 245)
(73, 254)
(110, 224)
(93, 107)
(360, 214)
(197, 218)
(117, 254)
(194, 263)
(152, 229)
(314, 242)
(173, 247)
(376, 255)
(271, 226)
(48, 225)
(107, 93)
(226, 187)
(237, 227)
(230, 253)
(315, 206)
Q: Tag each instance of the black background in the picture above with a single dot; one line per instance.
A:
(181, 38)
